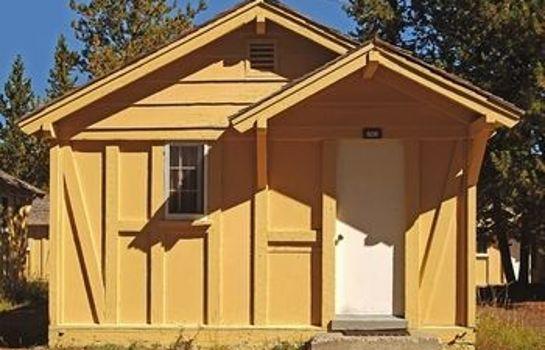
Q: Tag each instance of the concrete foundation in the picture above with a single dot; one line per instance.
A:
(368, 323)
(337, 341)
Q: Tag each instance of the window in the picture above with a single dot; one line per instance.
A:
(262, 56)
(186, 180)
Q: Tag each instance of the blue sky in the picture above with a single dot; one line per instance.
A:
(31, 28)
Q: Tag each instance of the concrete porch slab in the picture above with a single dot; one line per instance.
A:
(337, 341)
(368, 323)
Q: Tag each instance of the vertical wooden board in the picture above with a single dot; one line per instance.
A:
(290, 286)
(76, 303)
(55, 231)
(133, 279)
(89, 161)
(470, 255)
(214, 235)
(133, 183)
(442, 162)
(111, 260)
(438, 284)
(260, 227)
(329, 222)
(412, 239)
(185, 279)
(84, 233)
(238, 176)
(295, 197)
(157, 253)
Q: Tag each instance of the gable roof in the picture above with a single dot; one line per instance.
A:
(39, 212)
(19, 185)
(494, 108)
(191, 40)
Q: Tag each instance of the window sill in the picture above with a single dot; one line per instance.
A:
(194, 221)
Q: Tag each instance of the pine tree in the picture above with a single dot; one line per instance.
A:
(115, 32)
(61, 79)
(23, 156)
(377, 17)
(500, 46)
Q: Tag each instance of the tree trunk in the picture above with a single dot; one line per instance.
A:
(524, 258)
(506, 262)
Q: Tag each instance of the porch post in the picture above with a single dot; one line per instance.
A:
(260, 243)
(479, 133)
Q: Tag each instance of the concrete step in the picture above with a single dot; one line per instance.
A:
(337, 341)
(368, 323)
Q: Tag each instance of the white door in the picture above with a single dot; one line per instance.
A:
(370, 228)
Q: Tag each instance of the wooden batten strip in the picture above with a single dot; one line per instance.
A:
(157, 251)
(329, 219)
(261, 25)
(90, 256)
(260, 243)
(112, 233)
(215, 195)
(412, 236)
(55, 236)
(292, 236)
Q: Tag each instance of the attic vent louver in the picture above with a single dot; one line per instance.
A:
(262, 56)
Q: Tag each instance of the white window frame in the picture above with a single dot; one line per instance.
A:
(166, 169)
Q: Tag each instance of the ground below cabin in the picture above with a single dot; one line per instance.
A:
(519, 327)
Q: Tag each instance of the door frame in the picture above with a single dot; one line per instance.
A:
(328, 234)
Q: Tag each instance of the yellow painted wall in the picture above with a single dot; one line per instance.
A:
(157, 272)
(488, 269)
(38, 252)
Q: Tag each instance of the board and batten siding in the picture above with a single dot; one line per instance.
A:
(117, 261)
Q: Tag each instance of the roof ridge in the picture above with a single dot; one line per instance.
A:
(378, 43)
(21, 184)
(216, 17)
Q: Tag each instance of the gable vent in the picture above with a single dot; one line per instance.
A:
(262, 56)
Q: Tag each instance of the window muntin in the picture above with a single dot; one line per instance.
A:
(186, 180)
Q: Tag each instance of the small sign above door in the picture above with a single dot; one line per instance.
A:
(372, 133)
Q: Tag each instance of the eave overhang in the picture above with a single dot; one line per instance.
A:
(369, 57)
(43, 119)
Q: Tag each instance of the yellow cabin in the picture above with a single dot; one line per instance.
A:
(265, 178)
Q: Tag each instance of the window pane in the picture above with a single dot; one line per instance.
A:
(174, 180)
(174, 203)
(189, 180)
(188, 203)
(190, 155)
(174, 156)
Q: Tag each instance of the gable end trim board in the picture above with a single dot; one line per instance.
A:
(190, 41)
(496, 110)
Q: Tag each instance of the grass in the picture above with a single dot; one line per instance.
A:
(6, 305)
(519, 328)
